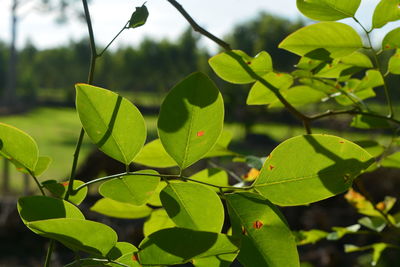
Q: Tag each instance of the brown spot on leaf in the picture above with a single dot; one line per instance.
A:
(279, 74)
(134, 257)
(248, 62)
(341, 142)
(257, 224)
(271, 167)
(65, 183)
(200, 133)
(244, 230)
(387, 46)
(381, 206)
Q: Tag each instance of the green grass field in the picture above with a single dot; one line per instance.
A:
(56, 131)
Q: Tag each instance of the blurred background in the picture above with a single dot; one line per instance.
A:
(44, 51)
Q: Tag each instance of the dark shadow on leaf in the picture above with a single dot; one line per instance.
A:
(339, 176)
(183, 243)
(197, 90)
(111, 124)
(319, 54)
(35, 208)
(171, 205)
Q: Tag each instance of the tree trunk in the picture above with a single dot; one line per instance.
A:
(10, 95)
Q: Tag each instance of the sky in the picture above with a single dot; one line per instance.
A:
(108, 17)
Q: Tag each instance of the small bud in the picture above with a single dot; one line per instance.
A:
(139, 17)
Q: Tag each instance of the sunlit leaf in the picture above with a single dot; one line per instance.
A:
(179, 245)
(394, 63)
(77, 234)
(259, 94)
(121, 210)
(237, 67)
(391, 40)
(321, 165)
(212, 176)
(328, 9)
(327, 39)
(107, 118)
(191, 119)
(60, 189)
(135, 189)
(266, 239)
(158, 220)
(385, 11)
(18, 147)
(185, 202)
(309, 237)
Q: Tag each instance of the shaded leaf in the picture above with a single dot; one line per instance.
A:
(139, 17)
(369, 122)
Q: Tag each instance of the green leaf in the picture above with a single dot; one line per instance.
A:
(221, 147)
(266, 237)
(391, 161)
(42, 165)
(77, 234)
(299, 96)
(391, 40)
(373, 78)
(191, 119)
(185, 202)
(328, 10)
(121, 210)
(134, 189)
(321, 165)
(223, 260)
(377, 248)
(139, 17)
(59, 190)
(357, 96)
(158, 220)
(213, 176)
(237, 67)
(120, 249)
(107, 118)
(394, 63)
(385, 11)
(334, 38)
(36, 208)
(179, 245)
(155, 198)
(369, 122)
(357, 59)
(153, 154)
(18, 147)
(261, 95)
(340, 232)
(309, 237)
(372, 147)
(374, 223)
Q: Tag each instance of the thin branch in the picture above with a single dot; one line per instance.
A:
(378, 66)
(329, 113)
(196, 27)
(37, 182)
(49, 252)
(163, 176)
(115, 37)
(74, 164)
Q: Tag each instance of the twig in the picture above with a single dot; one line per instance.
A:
(196, 27)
